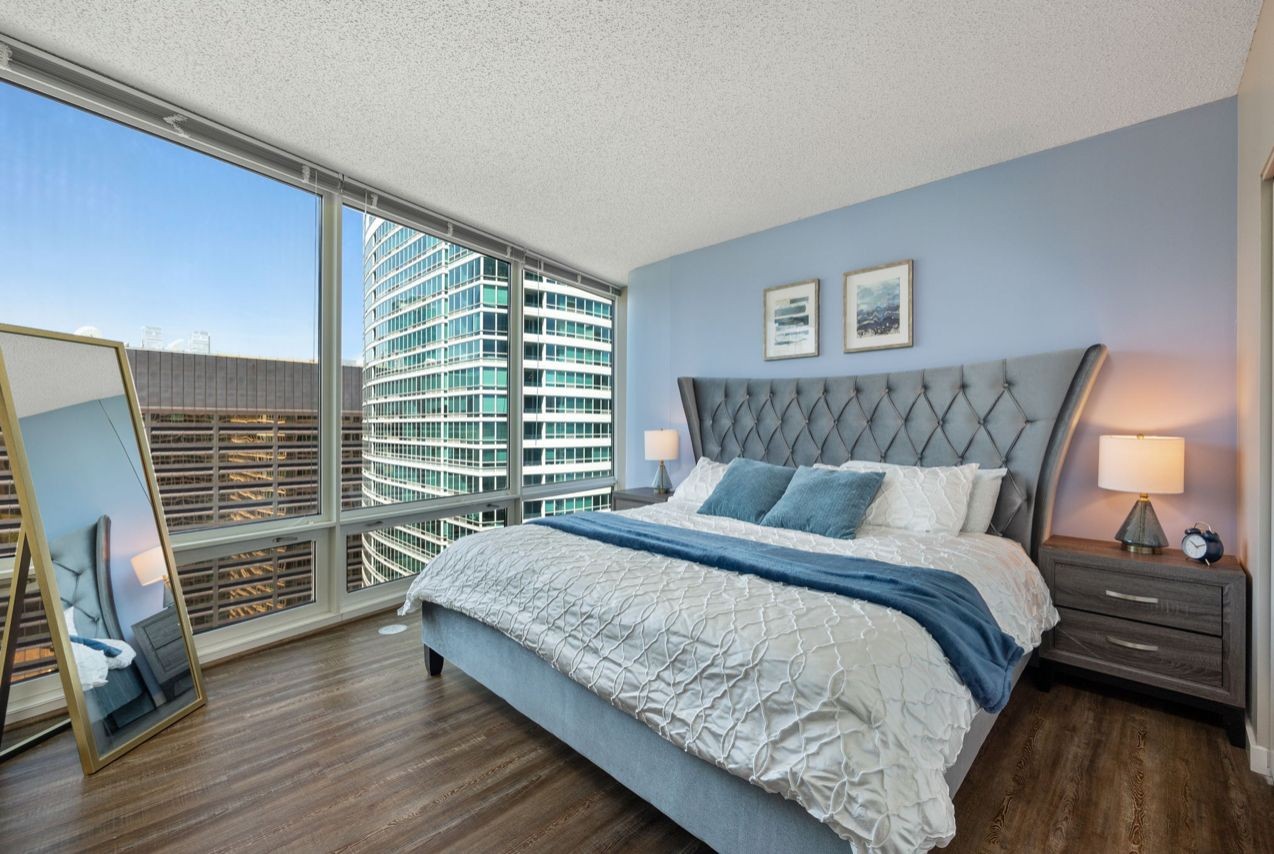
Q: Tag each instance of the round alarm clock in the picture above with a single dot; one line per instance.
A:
(1201, 543)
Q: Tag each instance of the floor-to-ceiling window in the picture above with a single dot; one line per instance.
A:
(208, 272)
(334, 386)
(427, 323)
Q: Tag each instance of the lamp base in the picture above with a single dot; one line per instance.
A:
(1141, 532)
(663, 483)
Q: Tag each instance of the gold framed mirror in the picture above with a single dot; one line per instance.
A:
(94, 528)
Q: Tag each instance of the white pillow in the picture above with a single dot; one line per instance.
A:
(91, 665)
(698, 485)
(923, 499)
(982, 501)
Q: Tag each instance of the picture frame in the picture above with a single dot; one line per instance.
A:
(790, 321)
(878, 307)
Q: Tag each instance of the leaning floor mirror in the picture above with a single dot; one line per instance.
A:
(93, 526)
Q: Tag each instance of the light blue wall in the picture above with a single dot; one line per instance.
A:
(82, 469)
(1126, 239)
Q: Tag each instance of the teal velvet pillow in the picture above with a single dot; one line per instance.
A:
(825, 501)
(748, 490)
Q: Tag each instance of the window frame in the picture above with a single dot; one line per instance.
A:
(36, 71)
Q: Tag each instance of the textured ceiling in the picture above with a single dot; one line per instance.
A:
(47, 374)
(610, 135)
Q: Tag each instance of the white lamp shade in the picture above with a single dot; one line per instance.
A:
(661, 445)
(151, 566)
(1142, 464)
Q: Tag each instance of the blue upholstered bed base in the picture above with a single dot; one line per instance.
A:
(726, 812)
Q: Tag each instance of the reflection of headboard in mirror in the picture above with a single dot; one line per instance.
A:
(81, 562)
(1018, 413)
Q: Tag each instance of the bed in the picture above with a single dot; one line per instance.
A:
(762, 716)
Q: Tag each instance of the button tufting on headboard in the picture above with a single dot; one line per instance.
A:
(1017, 413)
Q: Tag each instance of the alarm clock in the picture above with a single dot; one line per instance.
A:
(1201, 543)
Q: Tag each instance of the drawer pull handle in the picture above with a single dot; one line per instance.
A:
(1142, 647)
(1128, 597)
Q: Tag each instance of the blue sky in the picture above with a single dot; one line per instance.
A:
(102, 225)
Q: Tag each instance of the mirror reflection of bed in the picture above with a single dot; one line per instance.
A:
(107, 554)
(124, 691)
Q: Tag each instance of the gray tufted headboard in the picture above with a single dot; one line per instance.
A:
(1017, 413)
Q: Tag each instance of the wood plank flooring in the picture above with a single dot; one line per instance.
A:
(338, 742)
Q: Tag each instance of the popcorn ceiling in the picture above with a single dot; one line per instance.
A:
(611, 135)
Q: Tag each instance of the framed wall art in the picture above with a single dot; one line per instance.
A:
(791, 320)
(878, 310)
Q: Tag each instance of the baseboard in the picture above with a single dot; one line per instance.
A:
(1258, 756)
(33, 699)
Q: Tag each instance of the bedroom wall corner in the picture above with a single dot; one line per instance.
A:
(648, 362)
(1253, 372)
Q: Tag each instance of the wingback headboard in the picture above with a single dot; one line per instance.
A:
(1017, 413)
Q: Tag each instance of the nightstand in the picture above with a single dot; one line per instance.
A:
(161, 644)
(1163, 623)
(627, 499)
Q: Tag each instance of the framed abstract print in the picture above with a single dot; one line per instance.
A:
(878, 311)
(791, 320)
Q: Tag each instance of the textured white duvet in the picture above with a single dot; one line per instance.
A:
(846, 707)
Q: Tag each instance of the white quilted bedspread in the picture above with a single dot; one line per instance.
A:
(849, 708)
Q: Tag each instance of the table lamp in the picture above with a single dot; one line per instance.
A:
(661, 445)
(1144, 465)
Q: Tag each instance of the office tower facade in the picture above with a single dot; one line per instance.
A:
(568, 377)
(436, 389)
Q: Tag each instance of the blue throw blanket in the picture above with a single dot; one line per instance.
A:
(93, 643)
(947, 605)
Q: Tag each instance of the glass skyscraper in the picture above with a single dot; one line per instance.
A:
(436, 389)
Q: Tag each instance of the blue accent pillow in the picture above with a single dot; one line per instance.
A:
(825, 501)
(92, 643)
(748, 490)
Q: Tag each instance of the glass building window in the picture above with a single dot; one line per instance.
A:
(426, 329)
(402, 551)
(209, 274)
(227, 590)
(425, 334)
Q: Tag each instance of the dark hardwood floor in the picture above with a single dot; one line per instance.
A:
(338, 742)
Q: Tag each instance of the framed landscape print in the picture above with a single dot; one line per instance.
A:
(791, 320)
(878, 307)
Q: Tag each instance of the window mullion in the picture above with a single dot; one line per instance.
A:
(330, 571)
(516, 399)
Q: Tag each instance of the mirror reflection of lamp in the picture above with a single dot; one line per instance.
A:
(151, 567)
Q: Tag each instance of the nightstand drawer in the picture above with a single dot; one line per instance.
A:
(163, 628)
(1164, 602)
(1165, 652)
